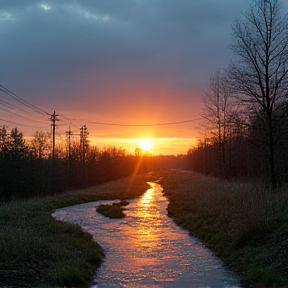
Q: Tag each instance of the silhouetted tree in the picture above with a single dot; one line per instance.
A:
(218, 112)
(3, 141)
(41, 145)
(259, 78)
(13, 170)
(16, 144)
(40, 168)
(138, 151)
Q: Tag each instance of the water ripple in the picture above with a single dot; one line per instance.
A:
(147, 249)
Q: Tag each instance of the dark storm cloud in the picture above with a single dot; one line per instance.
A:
(53, 49)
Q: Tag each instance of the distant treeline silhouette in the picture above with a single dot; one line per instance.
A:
(233, 147)
(246, 107)
(27, 169)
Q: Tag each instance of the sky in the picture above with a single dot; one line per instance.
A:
(122, 62)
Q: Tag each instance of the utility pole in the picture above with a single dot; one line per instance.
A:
(69, 134)
(83, 135)
(53, 119)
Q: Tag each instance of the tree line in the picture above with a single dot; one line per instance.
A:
(245, 132)
(28, 170)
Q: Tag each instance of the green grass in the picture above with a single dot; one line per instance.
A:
(244, 223)
(39, 251)
(114, 210)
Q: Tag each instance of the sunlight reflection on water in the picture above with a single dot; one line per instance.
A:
(147, 249)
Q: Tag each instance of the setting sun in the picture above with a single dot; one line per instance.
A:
(146, 145)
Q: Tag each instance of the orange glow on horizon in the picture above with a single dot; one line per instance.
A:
(155, 146)
(158, 146)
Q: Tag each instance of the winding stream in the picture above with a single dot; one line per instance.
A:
(147, 249)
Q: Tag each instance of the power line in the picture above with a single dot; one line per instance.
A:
(145, 125)
(39, 110)
(69, 121)
(12, 106)
(21, 100)
(20, 124)
(19, 115)
(13, 109)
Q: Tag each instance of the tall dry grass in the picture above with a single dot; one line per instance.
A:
(243, 222)
(245, 209)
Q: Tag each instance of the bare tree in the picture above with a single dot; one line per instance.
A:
(40, 145)
(218, 113)
(260, 76)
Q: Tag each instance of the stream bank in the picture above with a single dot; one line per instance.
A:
(146, 248)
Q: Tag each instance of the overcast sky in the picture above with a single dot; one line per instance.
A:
(115, 61)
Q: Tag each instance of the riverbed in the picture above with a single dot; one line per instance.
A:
(147, 249)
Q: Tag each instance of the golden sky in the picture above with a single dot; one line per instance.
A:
(123, 62)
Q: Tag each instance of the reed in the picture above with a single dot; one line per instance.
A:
(245, 223)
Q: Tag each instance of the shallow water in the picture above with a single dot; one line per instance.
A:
(147, 249)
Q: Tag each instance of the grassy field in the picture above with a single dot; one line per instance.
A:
(39, 251)
(244, 223)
